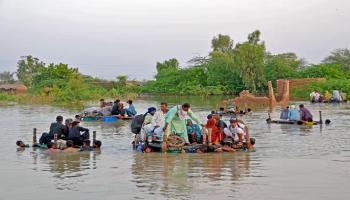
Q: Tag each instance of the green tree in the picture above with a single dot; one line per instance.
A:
(54, 75)
(249, 56)
(222, 71)
(168, 64)
(254, 38)
(222, 43)
(27, 68)
(281, 66)
(339, 56)
(121, 80)
(7, 77)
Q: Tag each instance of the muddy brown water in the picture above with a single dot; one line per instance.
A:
(290, 162)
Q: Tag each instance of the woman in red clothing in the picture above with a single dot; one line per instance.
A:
(213, 130)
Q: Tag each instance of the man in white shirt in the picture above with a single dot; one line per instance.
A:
(234, 131)
(157, 122)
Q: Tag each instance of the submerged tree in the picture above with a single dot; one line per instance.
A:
(339, 56)
(27, 68)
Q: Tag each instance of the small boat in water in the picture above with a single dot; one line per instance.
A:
(176, 144)
(105, 118)
(299, 122)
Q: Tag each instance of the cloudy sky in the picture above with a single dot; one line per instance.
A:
(107, 38)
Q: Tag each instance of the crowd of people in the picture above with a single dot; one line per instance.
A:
(65, 137)
(233, 110)
(116, 108)
(336, 97)
(300, 116)
(180, 120)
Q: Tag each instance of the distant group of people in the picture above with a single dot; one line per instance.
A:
(336, 97)
(115, 108)
(293, 114)
(232, 111)
(68, 137)
(181, 121)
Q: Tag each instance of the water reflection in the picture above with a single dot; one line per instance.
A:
(182, 175)
(68, 169)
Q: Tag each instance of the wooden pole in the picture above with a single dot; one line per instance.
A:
(320, 113)
(93, 135)
(34, 136)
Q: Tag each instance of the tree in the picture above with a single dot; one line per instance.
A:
(168, 64)
(339, 56)
(249, 56)
(281, 66)
(222, 43)
(54, 75)
(254, 37)
(199, 60)
(7, 77)
(27, 68)
(122, 79)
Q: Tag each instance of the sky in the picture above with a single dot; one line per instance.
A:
(108, 38)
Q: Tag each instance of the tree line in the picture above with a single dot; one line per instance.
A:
(230, 68)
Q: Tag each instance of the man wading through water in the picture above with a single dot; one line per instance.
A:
(175, 122)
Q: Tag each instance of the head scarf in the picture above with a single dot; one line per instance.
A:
(181, 113)
(151, 109)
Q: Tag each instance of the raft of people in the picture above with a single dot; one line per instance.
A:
(336, 97)
(232, 111)
(292, 115)
(180, 129)
(67, 138)
(109, 109)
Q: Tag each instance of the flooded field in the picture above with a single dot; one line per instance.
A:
(290, 162)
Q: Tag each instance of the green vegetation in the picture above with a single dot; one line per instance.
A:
(7, 77)
(58, 83)
(229, 69)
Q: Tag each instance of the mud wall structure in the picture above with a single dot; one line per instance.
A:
(281, 97)
(296, 84)
(13, 88)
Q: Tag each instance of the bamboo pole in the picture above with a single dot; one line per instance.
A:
(34, 136)
(93, 135)
(320, 113)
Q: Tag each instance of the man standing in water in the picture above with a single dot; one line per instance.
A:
(175, 122)
(305, 114)
(156, 123)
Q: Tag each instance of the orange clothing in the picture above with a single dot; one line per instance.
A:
(215, 131)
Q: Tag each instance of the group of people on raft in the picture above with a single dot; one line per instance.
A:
(300, 116)
(336, 97)
(68, 137)
(232, 110)
(116, 108)
(181, 121)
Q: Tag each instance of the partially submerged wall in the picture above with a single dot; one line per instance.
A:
(295, 84)
(246, 99)
(13, 88)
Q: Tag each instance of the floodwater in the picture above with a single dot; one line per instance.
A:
(290, 162)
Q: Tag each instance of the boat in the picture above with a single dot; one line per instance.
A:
(105, 118)
(279, 121)
(330, 102)
(271, 121)
(176, 144)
